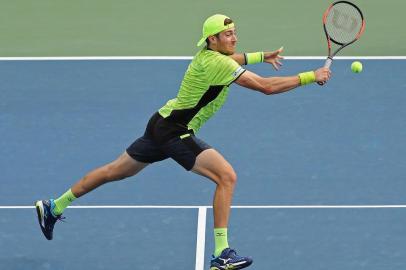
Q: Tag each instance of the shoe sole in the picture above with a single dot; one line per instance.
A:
(229, 267)
(39, 206)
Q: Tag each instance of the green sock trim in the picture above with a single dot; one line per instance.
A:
(220, 240)
(62, 202)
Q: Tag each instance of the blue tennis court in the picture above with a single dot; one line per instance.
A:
(320, 169)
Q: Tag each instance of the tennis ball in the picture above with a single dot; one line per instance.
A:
(356, 66)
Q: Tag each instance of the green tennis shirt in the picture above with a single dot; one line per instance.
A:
(204, 89)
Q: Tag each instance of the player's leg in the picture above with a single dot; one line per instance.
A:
(137, 156)
(50, 211)
(195, 155)
(211, 164)
(124, 166)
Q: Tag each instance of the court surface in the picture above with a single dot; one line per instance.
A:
(320, 169)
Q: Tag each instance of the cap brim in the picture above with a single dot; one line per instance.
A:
(201, 41)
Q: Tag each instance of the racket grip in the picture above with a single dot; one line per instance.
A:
(327, 64)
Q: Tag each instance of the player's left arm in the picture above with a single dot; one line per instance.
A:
(239, 58)
(273, 58)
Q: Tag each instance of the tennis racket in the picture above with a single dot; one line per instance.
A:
(343, 24)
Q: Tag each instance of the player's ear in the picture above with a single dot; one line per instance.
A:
(212, 39)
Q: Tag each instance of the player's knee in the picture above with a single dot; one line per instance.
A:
(228, 178)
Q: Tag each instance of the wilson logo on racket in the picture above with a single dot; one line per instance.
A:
(344, 21)
(343, 24)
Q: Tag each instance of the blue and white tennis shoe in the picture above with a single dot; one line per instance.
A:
(229, 260)
(46, 218)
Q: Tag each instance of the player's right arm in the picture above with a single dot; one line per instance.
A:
(276, 85)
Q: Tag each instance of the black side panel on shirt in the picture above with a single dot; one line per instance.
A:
(184, 116)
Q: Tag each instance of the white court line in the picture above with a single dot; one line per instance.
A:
(201, 238)
(201, 223)
(208, 207)
(86, 58)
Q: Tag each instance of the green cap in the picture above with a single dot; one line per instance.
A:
(213, 25)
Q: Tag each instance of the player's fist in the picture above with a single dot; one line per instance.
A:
(322, 75)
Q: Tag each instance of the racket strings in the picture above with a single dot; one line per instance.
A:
(343, 23)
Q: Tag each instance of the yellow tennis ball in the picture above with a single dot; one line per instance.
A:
(356, 66)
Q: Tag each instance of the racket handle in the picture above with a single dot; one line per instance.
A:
(327, 64)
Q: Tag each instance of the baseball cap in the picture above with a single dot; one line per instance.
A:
(215, 24)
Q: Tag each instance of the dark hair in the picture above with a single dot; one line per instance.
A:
(227, 21)
(208, 41)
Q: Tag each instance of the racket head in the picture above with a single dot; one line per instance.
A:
(343, 24)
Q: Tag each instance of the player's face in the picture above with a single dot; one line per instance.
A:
(227, 41)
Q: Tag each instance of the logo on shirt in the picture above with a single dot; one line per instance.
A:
(237, 72)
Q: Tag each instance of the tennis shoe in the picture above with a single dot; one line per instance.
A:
(46, 218)
(229, 260)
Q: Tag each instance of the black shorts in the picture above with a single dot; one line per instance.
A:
(164, 139)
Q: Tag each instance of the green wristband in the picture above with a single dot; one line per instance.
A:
(307, 77)
(254, 58)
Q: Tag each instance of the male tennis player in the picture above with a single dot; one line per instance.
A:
(170, 132)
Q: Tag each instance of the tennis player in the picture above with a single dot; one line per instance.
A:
(170, 132)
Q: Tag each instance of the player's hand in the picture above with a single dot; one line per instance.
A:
(274, 58)
(322, 75)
